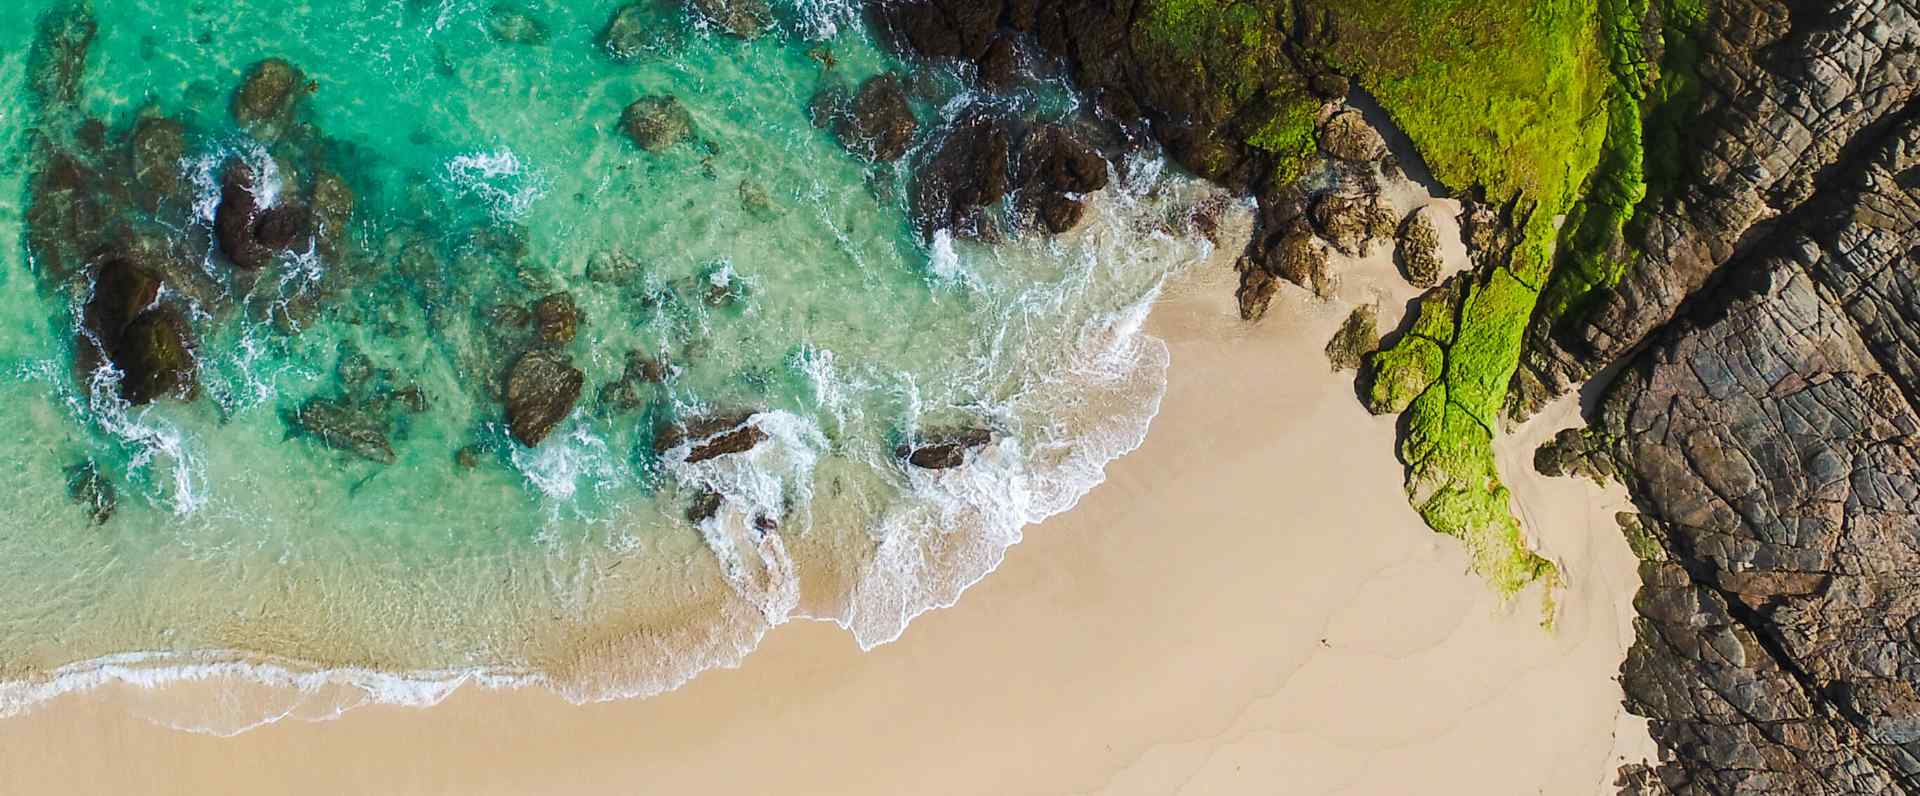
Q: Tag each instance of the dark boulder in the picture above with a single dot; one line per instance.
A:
(739, 439)
(234, 217)
(879, 125)
(121, 291)
(155, 354)
(943, 28)
(1057, 168)
(345, 427)
(1000, 64)
(966, 176)
(287, 227)
(944, 450)
(542, 388)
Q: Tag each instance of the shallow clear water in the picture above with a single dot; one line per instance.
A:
(776, 272)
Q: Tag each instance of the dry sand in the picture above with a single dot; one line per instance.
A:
(1247, 605)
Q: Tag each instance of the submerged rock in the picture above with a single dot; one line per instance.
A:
(1358, 336)
(556, 319)
(345, 427)
(1417, 250)
(745, 19)
(265, 102)
(60, 54)
(542, 388)
(87, 487)
(629, 392)
(656, 123)
(514, 25)
(612, 267)
(157, 148)
(636, 29)
(944, 450)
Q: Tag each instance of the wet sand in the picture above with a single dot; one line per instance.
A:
(1247, 605)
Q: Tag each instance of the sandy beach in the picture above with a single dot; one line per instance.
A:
(1247, 605)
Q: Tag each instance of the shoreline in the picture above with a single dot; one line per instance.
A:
(1172, 628)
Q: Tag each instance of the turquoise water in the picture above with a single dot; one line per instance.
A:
(776, 273)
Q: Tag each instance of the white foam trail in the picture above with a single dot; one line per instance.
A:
(507, 186)
(1085, 396)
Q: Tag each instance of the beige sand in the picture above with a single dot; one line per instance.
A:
(1246, 606)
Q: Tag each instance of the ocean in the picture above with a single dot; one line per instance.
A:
(344, 512)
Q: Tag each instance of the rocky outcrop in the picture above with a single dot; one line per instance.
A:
(1057, 170)
(966, 176)
(1785, 95)
(1357, 337)
(944, 450)
(744, 19)
(879, 124)
(542, 387)
(1417, 250)
(1770, 436)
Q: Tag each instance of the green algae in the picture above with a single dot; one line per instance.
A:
(1521, 102)
(1649, 104)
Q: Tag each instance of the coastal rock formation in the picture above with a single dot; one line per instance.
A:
(636, 29)
(944, 450)
(542, 387)
(968, 174)
(1417, 250)
(1057, 168)
(1769, 103)
(879, 125)
(1358, 336)
(1771, 438)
